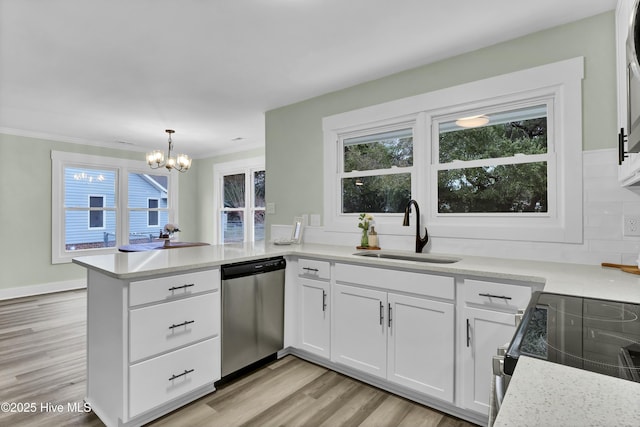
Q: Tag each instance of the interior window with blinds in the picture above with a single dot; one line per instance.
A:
(376, 172)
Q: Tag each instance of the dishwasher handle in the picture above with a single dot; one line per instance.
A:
(250, 268)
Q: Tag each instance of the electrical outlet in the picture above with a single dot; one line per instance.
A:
(271, 208)
(632, 225)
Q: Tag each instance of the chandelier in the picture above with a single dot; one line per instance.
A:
(156, 158)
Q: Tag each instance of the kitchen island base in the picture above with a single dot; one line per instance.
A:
(153, 344)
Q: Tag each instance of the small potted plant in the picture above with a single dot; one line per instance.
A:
(365, 222)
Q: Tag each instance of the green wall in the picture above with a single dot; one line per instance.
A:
(25, 206)
(294, 149)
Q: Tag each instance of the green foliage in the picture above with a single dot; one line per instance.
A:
(380, 193)
(503, 188)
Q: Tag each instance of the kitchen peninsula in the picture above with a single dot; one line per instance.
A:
(126, 286)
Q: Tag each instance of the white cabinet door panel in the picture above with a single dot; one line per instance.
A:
(359, 329)
(421, 345)
(487, 331)
(315, 317)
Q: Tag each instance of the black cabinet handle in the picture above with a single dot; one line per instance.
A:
(185, 323)
(495, 296)
(621, 140)
(468, 332)
(315, 270)
(381, 313)
(324, 301)
(186, 371)
(175, 288)
(389, 321)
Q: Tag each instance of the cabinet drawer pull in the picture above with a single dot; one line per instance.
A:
(495, 296)
(324, 301)
(381, 313)
(315, 270)
(186, 371)
(389, 316)
(185, 323)
(468, 332)
(175, 288)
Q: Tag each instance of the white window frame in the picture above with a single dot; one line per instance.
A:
(94, 209)
(561, 82)
(122, 167)
(247, 167)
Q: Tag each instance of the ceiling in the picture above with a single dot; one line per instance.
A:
(119, 72)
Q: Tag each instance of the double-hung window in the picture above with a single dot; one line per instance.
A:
(495, 163)
(376, 171)
(239, 201)
(100, 203)
(499, 159)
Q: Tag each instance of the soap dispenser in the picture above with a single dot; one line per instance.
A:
(373, 238)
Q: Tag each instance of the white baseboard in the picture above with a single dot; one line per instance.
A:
(43, 288)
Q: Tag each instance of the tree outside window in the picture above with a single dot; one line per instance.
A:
(498, 167)
(377, 170)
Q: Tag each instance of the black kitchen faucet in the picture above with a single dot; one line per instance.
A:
(421, 242)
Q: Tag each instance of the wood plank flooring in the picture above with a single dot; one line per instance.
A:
(42, 365)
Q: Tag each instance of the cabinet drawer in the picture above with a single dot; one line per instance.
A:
(159, 380)
(394, 280)
(162, 327)
(172, 287)
(496, 295)
(314, 269)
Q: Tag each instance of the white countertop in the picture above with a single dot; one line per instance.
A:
(540, 393)
(572, 279)
(547, 394)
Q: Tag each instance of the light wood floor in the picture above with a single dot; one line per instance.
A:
(42, 365)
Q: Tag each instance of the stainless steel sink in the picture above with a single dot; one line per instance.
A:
(435, 259)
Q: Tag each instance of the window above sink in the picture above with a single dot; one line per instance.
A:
(517, 176)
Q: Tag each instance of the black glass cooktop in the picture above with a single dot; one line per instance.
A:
(597, 335)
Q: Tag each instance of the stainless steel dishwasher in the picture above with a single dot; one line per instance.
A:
(252, 312)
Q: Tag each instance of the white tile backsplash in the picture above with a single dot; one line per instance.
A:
(604, 204)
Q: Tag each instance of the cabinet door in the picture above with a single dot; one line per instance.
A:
(315, 317)
(359, 330)
(421, 345)
(486, 330)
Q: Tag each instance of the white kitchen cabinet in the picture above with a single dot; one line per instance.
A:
(360, 332)
(629, 170)
(405, 338)
(488, 320)
(314, 296)
(153, 345)
(420, 345)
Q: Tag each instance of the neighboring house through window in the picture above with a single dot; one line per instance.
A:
(100, 203)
